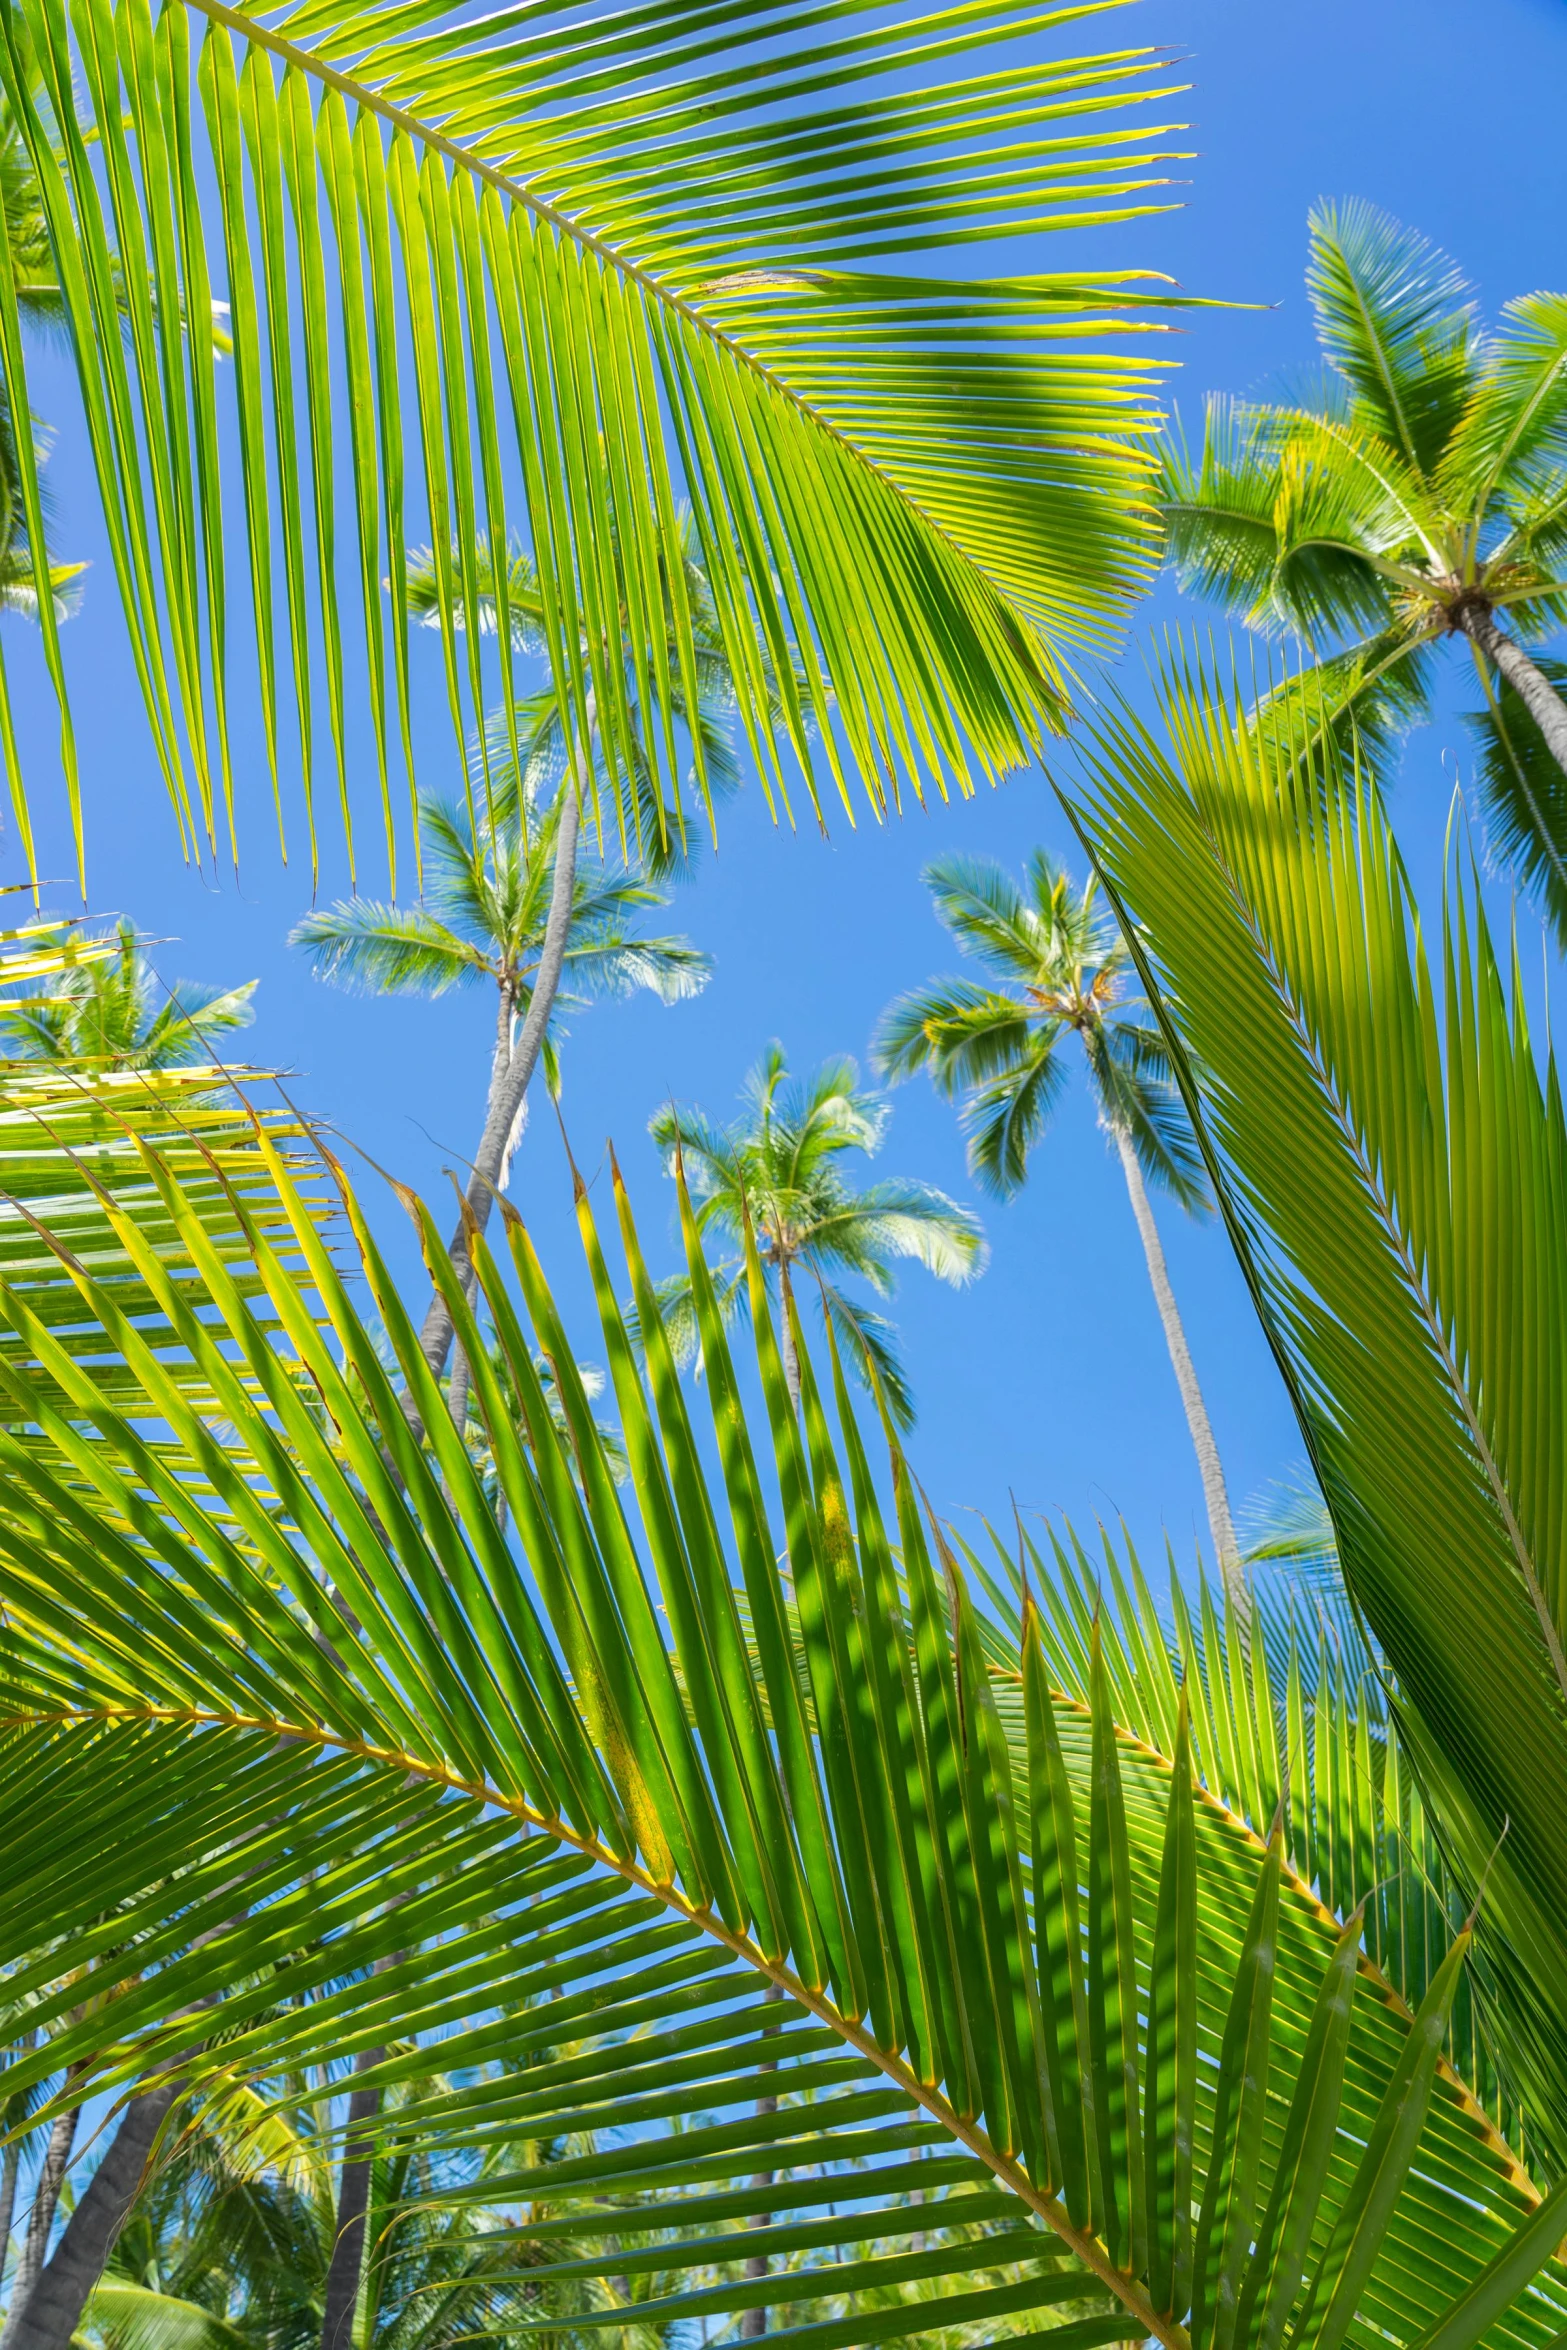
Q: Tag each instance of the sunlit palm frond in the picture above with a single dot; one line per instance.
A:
(384, 950)
(1388, 1151)
(1397, 319)
(485, 280)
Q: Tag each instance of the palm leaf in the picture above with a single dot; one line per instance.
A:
(1405, 1254)
(314, 1736)
(564, 276)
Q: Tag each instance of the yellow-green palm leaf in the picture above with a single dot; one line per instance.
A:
(560, 271)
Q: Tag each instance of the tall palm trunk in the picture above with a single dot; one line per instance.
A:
(10, 2164)
(1220, 1524)
(353, 2204)
(511, 1077)
(46, 2197)
(47, 2318)
(1530, 683)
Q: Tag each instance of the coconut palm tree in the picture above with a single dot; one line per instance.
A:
(779, 1165)
(1058, 969)
(490, 918)
(502, 598)
(114, 1012)
(1417, 498)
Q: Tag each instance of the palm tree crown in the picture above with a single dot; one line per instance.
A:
(115, 1013)
(780, 1163)
(488, 878)
(1417, 494)
(1062, 969)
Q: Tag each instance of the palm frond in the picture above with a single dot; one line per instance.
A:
(317, 1739)
(1388, 1153)
(485, 279)
(1396, 318)
(386, 950)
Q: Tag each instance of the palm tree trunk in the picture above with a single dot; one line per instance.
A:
(10, 2164)
(353, 2204)
(1220, 1524)
(48, 2316)
(1533, 688)
(509, 1084)
(46, 2197)
(791, 1359)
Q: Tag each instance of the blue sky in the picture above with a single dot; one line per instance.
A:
(1048, 1377)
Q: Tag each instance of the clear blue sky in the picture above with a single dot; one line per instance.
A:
(1048, 1377)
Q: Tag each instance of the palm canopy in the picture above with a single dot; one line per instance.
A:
(114, 1012)
(488, 878)
(553, 279)
(778, 1168)
(306, 1755)
(1064, 972)
(1419, 492)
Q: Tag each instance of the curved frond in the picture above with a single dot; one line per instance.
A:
(682, 1819)
(1396, 318)
(489, 280)
(1389, 1153)
(387, 950)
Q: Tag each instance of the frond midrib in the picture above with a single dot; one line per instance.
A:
(923, 2094)
(624, 266)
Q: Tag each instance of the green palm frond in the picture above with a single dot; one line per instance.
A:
(1388, 1151)
(485, 279)
(1397, 320)
(563, 1797)
(387, 950)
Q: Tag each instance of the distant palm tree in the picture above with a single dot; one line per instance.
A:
(1063, 971)
(115, 1013)
(780, 1163)
(489, 885)
(697, 697)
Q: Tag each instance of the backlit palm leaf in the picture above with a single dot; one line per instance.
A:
(333, 1749)
(559, 272)
(1391, 1155)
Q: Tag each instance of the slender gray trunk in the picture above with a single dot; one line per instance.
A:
(791, 1359)
(46, 2197)
(353, 2204)
(10, 2164)
(1530, 683)
(1220, 1524)
(50, 2314)
(509, 1082)
(753, 2322)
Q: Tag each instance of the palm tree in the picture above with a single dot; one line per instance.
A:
(489, 292)
(1062, 969)
(1419, 496)
(778, 1166)
(114, 1012)
(493, 882)
(503, 599)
